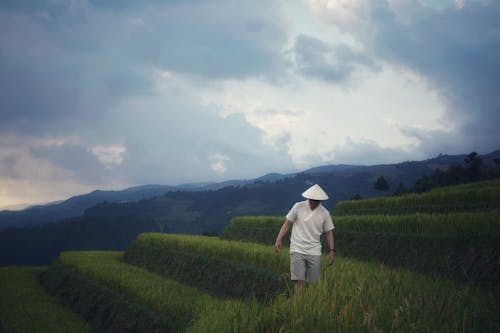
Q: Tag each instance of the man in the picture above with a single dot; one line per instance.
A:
(309, 219)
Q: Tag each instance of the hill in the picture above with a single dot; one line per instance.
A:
(396, 269)
(350, 180)
(112, 225)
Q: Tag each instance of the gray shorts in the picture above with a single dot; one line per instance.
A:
(305, 267)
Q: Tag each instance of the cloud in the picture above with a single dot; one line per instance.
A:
(109, 155)
(87, 73)
(94, 54)
(218, 163)
(28, 177)
(117, 93)
(454, 46)
(333, 63)
(355, 151)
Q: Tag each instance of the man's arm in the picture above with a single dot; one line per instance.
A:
(331, 245)
(283, 231)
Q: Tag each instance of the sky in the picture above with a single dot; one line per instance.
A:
(108, 94)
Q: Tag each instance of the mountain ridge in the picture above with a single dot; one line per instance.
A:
(404, 172)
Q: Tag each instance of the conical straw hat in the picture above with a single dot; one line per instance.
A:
(315, 192)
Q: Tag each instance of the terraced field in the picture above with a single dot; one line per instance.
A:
(441, 233)
(237, 283)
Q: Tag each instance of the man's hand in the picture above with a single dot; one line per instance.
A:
(331, 257)
(277, 246)
(282, 233)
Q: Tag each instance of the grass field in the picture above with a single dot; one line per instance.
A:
(26, 307)
(478, 196)
(353, 295)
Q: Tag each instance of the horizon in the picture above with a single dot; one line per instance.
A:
(20, 207)
(113, 94)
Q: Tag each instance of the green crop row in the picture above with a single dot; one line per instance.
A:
(476, 196)
(189, 309)
(261, 235)
(245, 252)
(461, 246)
(457, 223)
(258, 221)
(353, 295)
(357, 296)
(463, 223)
(106, 310)
(26, 307)
(216, 275)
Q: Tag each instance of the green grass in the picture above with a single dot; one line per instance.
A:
(26, 307)
(457, 224)
(258, 221)
(216, 275)
(354, 296)
(177, 301)
(473, 196)
(474, 223)
(247, 252)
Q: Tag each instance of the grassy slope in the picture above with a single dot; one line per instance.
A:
(177, 301)
(354, 295)
(483, 195)
(26, 307)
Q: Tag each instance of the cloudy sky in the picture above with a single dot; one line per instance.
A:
(107, 94)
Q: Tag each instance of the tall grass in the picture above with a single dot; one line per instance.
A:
(473, 223)
(258, 221)
(26, 307)
(354, 296)
(247, 252)
(463, 223)
(177, 301)
(475, 196)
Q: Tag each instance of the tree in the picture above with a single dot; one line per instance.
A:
(381, 184)
(401, 189)
(474, 162)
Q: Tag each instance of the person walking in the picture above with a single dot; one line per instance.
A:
(309, 219)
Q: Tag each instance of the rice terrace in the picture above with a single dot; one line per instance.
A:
(413, 263)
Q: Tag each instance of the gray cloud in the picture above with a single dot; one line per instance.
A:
(358, 152)
(75, 60)
(175, 140)
(456, 49)
(333, 63)
(77, 68)
(77, 159)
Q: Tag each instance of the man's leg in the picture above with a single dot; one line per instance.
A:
(297, 270)
(313, 268)
(298, 286)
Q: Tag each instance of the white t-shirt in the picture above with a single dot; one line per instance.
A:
(308, 225)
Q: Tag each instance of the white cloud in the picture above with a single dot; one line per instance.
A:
(218, 163)
(109, 155)
(26, 178)
(137, 95)
(311, 119)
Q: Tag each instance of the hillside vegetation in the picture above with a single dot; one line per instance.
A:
(450, 232)
(411, 270)
(25, 307)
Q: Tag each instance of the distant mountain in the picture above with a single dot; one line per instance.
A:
(344, 181)
(75, 206)
(120, 215)
(333, 168)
